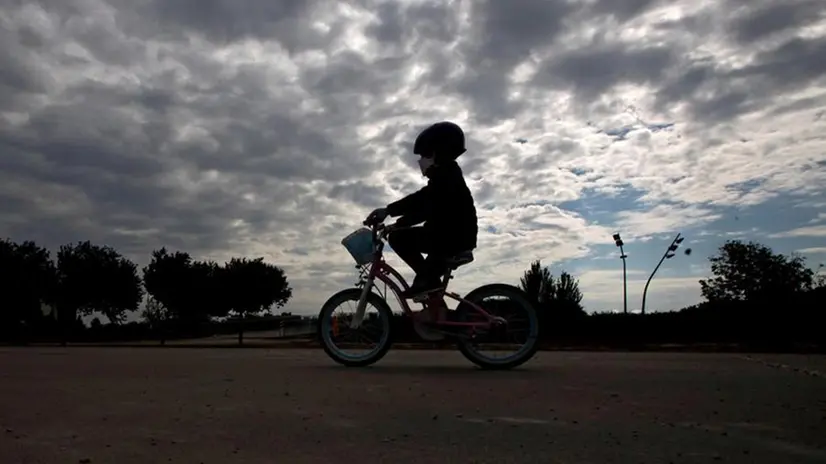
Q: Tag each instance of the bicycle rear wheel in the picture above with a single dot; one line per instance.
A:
(500, 300)
(372, 339)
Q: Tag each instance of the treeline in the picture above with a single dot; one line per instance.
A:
(755, 299)
(44, 298)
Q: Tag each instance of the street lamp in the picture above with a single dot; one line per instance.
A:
(618, 242)
(669, 253)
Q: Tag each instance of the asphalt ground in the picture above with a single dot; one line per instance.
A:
(156, 405)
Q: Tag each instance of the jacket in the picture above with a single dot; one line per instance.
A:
(446, 207)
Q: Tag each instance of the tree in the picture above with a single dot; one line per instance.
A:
(753, 272)
(29, 280)
(210, 293)
(169, 278)
(568, 297)
(255, 286)
(538, 283)
(155, 315)
(191, 291)
(164, 278)
(558, 300)
(94, 278)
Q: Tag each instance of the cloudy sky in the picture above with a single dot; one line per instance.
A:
(271, 128)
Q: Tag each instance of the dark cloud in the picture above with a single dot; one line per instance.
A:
(226, 21)
(716, 93)
(127, 122)
(106, 156)
(389, 29)
(769, 19)
(686, 82)
(360, 193)
(21, 75)
(485, 86)
(503, 35)
(623, 10)
(507, 32)
(399, 23)
(591, 71)
(796, 62)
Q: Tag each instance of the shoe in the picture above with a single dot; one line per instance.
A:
(421, 288)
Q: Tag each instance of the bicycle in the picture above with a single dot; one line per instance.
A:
(366, 246)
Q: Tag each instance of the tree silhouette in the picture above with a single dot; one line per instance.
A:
(755, 297)
(255, 286)
(179, 285)
(210, 294)
(753, 272)
(29, 279)
(567, 297)
(538, 283)
(96, 278)
(558, 300)
(156, 316)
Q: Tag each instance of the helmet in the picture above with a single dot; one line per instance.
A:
(443, 140)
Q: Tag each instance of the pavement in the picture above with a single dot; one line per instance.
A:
(156, 405)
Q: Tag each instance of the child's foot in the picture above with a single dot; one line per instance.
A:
(421, 288)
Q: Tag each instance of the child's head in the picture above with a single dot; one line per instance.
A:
(439, 143)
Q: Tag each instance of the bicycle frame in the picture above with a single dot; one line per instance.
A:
(384, 272)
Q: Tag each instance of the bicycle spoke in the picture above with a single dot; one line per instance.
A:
(355, 343)
(515, 335)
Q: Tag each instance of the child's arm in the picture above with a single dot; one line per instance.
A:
(410, 220)
(412, 205)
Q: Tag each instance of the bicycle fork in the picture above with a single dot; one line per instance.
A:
(362, 304)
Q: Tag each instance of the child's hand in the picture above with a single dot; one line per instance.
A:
(376, 217)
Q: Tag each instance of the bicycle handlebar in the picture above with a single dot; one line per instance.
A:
(380, 229)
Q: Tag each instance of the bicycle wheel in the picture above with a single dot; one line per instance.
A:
(376, 324)
(512, 302)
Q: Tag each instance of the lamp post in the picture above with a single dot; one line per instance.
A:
(618, 242)
(669, 253)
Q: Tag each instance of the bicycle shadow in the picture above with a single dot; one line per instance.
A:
(394, 369)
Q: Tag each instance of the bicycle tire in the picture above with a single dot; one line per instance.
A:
(496, 289)
(354, 294)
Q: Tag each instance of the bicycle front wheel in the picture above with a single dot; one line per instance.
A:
(358, 347)
(519, 332)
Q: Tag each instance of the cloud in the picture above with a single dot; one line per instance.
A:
(271, 128)
(664, 218)
(813, 251)
(766, 20)
(808, 231)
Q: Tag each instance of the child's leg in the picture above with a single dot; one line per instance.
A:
(409, 244)
(433, 269)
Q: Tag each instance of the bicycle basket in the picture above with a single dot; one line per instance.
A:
(360, 246)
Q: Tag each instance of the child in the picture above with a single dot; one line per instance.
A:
(445, 205)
